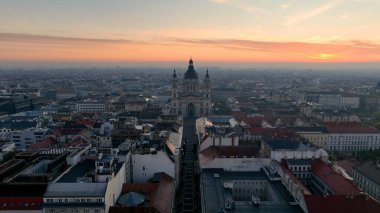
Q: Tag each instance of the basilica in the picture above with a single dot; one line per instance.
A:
(193, 99)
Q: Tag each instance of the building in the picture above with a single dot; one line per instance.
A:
(339, 101)
(89, 186)
(278, 149)
(192, 100)
(367, 177)
(23, 139)
(156, 195)
(315, 135)
(218, 131)
(22, 197)
(147, 160)
(252, 190)
(351, 137)
(90, 107)
(75, 197)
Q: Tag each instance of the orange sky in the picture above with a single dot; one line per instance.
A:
(208, 30)
(31, 47)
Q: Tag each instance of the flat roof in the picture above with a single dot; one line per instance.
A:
(77, 171)
(76, 190)
(285, 144)
(214, 194)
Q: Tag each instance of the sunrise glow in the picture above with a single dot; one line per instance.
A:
(211, 30)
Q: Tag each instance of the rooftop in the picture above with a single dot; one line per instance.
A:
(215, 194)
(333, 179)
(341, 203)
(76, 190)
(349, 128)
(288, 144)
(370, 170)
(77, 171)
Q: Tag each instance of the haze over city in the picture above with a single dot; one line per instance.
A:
(197, 106)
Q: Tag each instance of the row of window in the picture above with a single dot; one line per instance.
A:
(300, 168)
(353, 148)
(355, 137)
(66, 200)
(73, 210)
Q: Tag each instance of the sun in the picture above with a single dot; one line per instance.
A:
(323, 56)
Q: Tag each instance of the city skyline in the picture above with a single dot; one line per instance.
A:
(209, 30)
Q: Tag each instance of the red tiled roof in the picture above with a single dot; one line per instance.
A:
(45, 143)
(341, 203)
(254, 121)
(213, 152)
(85, 121)
(160, 196)
(256, 130)
(74, 143)
(349, 127)
(146, 188)
(238, 115)
(20, 203)
(164, 195)
(333, 179)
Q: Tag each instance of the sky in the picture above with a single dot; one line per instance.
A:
(235, 31)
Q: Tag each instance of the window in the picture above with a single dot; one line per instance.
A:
(74, 210)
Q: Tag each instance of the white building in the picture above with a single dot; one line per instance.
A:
(90, 107)
(367, 177)
(83, 195)
(339, 101)
(330, 100)
(5, 134)
(350, 102)
(25, 138)
(352, 138)
(146, 165)
(288, 149)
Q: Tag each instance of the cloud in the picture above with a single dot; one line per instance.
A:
(47, 39)
(294, 19)
(273, 46)
(287, 5)
(245, 6)
(344, 16)
(15, 46)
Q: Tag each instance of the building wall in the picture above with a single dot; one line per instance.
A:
(145, 166)
(81, 205)
(24, 138)
(5, 134)
(243, 190)
(114, 186)
(353, 142)
(317, 138)
(366, 184)
(90, 107)
(298, 154)
(237, 164)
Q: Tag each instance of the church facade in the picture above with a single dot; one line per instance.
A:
(194, 99)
